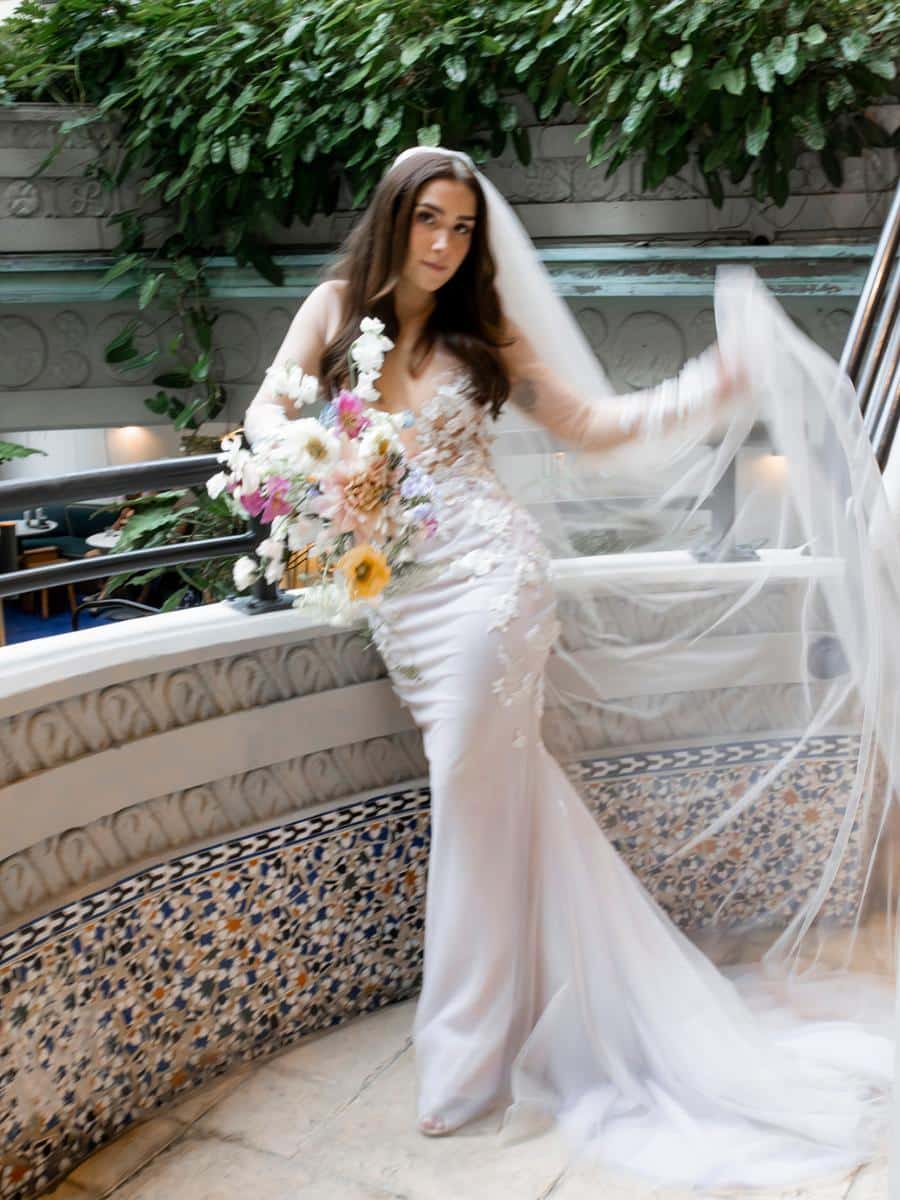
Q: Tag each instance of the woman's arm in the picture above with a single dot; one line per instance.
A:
(593, 424)
(304, 343)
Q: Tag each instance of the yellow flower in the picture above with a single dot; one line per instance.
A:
(366, 571)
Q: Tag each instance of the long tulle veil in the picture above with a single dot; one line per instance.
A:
(725, 688)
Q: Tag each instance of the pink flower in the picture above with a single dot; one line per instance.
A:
(352, 498)
(350, 416)
(254, 502)
(276, 505)
(268, 502)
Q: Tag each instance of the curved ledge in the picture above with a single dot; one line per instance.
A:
(217, 838)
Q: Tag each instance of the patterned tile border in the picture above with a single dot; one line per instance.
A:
(121, 1003)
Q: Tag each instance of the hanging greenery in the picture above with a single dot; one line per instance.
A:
(245, 115)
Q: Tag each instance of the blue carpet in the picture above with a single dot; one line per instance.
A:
(24, 627)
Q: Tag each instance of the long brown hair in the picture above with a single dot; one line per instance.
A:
(467, 315)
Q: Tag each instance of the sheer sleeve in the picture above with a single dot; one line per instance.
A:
(303, 345)
(587, 423)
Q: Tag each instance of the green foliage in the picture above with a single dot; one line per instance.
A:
(11, 450)
(744, 86)
(178, 516)
(240, 116)
(246, 114)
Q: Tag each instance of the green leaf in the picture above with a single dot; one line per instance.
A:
(411, 52)
(187, 415)
(715, 189)
(281, 126)
(372, 113)
(831, 165)
(522, 143)
(200, 369)
(122, 267)
(785, 60)
(616, 88)
(735, 80)
(854, 45)
(388, 132)
(526, 62)
(149, 288)
(239, 152)
(159, 403)
(10, 450)
(455, 69)
(635, 116)
(429, 135)
(886, 68)
(839, 91)
(815, 35)
(509, 116)
(295, 28)
(173, 379)
(763, 72)
(172, 602)
(810, 129)
(122, 346)
(795, 14)
(683, 55)
(648, 83)
(670, 80)
(758, 132)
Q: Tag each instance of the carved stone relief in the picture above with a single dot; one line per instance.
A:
(61, 867)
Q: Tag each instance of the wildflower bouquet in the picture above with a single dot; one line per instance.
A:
(338, 486)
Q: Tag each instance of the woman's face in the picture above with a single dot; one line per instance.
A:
(441, 232)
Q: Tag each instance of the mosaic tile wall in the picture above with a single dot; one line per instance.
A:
(124, 1001)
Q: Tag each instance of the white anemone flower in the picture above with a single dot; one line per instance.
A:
(245, 572)
(366, 389)
(217, 483)
(292, 381)
(250, 477)
(311, 447)
(273, 551)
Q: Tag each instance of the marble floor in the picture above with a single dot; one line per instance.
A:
(333, 1118)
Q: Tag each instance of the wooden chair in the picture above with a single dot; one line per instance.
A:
(41, 556)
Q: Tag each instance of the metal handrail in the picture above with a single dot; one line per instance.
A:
(102, 481)
(873, 290)
(871, 353)
(85, 485)
(13, 583)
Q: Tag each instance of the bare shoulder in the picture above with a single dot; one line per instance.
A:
(324, 305)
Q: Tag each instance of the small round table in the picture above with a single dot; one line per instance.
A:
(104, 540)
(24, 530)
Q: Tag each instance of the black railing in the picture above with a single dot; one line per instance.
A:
(871, 354)
(86, 485)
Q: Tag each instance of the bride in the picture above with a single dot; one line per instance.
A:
(555, 986)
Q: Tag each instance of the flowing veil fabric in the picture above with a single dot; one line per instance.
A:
(725, 694)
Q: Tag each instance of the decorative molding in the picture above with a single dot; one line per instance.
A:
(53, 374)
(120, 1003)
(557, 193)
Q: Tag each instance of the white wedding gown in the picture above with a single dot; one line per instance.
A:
(554, 986)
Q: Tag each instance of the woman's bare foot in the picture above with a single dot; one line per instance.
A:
(432, 1126)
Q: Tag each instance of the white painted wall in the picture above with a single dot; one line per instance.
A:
(69, 450)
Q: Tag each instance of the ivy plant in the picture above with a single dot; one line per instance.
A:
(238, 117)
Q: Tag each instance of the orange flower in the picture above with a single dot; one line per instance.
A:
(366, 571)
